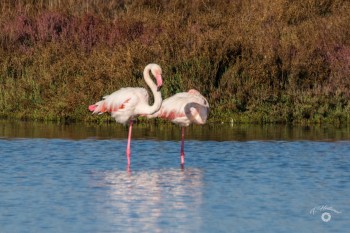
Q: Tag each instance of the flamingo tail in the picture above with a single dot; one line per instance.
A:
(92, 107)
(99, 107)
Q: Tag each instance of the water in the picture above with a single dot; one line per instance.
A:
(61, 178)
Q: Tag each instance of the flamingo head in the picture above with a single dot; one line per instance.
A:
(157, 72)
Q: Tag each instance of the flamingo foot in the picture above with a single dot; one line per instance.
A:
(128, 169)
(182, 158)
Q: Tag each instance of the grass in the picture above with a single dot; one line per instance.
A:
(261, 61)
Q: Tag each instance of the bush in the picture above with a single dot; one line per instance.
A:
(261, 61)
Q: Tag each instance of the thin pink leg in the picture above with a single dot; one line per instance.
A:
(129, 142)
(182, 146)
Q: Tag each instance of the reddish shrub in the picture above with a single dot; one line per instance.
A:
(52, 26)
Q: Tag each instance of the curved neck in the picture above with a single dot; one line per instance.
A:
(156, 94)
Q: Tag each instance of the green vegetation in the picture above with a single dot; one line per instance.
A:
(255, 61)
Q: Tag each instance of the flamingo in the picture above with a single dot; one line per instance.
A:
(183, 109)
(127, 103)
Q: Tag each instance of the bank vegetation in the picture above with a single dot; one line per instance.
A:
(258, 61)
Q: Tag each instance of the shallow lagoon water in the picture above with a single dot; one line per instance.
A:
(73, 178)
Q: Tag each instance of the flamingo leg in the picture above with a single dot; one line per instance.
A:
(182, 146)
(129, 142)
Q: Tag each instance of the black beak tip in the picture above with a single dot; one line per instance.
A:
(159, 88)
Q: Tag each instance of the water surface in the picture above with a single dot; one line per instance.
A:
(73, 178)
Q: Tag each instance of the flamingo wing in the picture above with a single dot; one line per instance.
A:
(184, 108)
(121, 104)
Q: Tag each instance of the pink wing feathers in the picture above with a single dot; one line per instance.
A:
(121, 104)
(107, 106)
(184, 108)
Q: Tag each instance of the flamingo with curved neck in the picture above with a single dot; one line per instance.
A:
(183, 109)
(127, 103)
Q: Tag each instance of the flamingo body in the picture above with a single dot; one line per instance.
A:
(184, 108)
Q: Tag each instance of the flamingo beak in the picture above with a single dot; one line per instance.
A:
(159, 82)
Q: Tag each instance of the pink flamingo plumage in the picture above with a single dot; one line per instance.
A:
(183, 109)
(127, 103)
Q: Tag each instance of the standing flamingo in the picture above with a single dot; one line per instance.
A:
(183, 109)
(129, 102)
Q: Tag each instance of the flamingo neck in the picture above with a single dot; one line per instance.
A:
(150, 109)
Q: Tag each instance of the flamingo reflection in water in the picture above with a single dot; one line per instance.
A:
(143, 199)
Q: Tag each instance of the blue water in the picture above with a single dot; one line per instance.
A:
(63, 185)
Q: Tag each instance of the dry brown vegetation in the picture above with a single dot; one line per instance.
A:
(255, 61)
